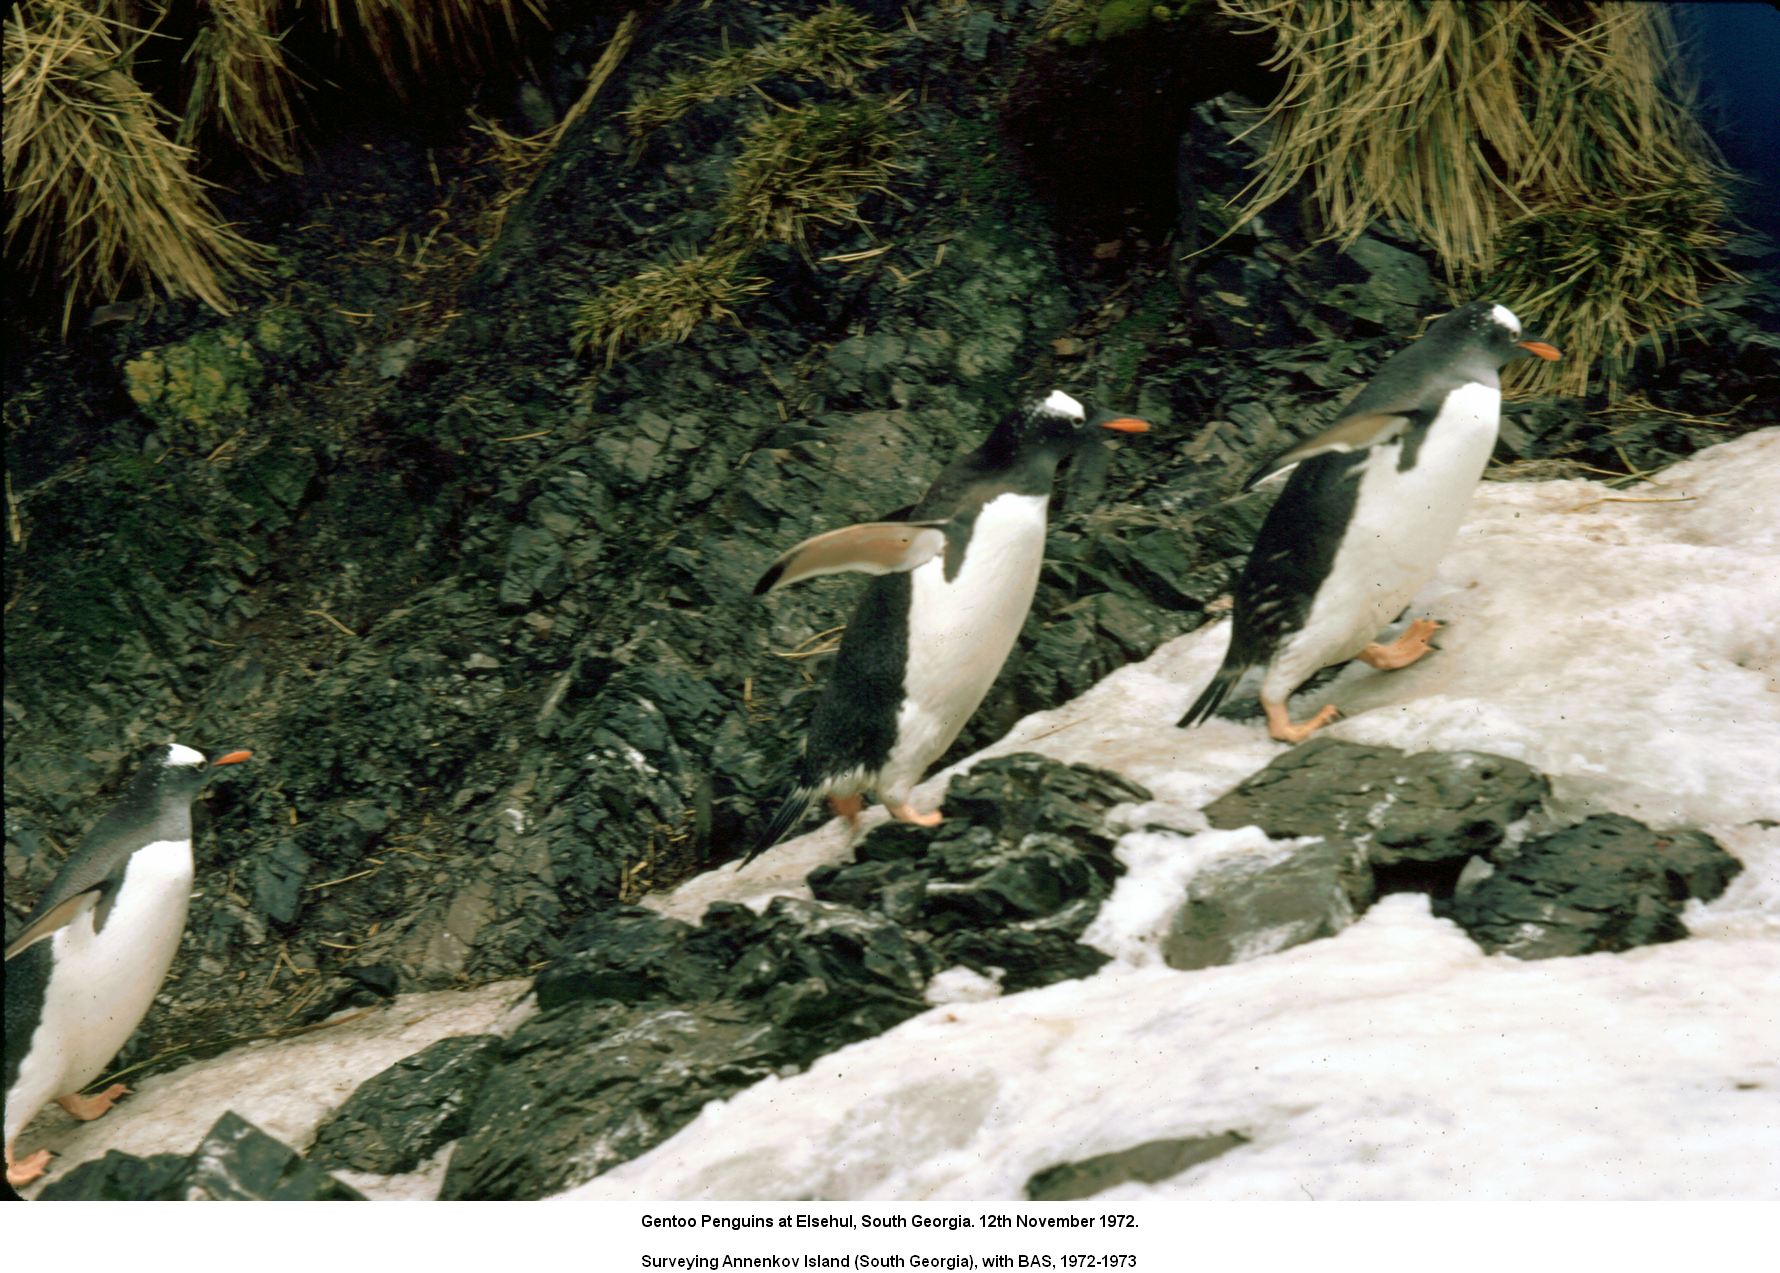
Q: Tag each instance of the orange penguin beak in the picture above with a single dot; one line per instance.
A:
(1126, 424)
(1539, 349)
(233, 757)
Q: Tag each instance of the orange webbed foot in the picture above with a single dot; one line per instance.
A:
(87, 1108)
(1279, 722)
(27, 1168)
(906, 813)
(1406, 649)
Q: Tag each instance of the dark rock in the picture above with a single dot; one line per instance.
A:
(278, 877)
(591, 1085)
(1149, 1162)
(394, 1121)
(117, 1177)
(627, 954)
(1606, 884)
(1012, 876)
(1244, 907)
(380, 979)
(1399, 807)
(235, 1162)
(829, 973)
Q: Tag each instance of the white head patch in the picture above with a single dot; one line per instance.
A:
(1060, 403)
(1504, 317)
(179, 754)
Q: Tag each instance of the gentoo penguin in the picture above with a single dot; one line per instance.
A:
(1372, 504)
(82, 974)
(930, 635)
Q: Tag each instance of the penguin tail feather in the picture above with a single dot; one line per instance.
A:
(791, 811)
(1213, 696)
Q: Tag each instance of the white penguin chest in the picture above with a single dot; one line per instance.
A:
(102, 982)
(1403, 521)
(961, 629)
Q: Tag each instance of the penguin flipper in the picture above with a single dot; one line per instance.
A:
(791, 811)
(56, 917)
(1350, 433)
(1213, 695)
(875, 548)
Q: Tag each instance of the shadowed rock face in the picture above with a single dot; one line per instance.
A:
(1009, 880)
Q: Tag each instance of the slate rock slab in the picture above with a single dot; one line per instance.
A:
(1149, 1162)
(399, 1118)
(831, 974)
(235, 1162)
(590, 1085)
(1012, 876)
(1608, 883)
(1246, 906)
(1401, 807)
(627, 954)
(117, 1177)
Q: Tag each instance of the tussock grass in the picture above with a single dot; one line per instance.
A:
(802, 168)
(103, 177)
(833, 46)
(797, 171)
(101, 196)
(409, 38)
(1607, 280)
(1512, 137)
(241, 88)
(663, 303)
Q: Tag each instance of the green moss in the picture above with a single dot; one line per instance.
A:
(1131, 337)
(1121, 17)
(197, 388)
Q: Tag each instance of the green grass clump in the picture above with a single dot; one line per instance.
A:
(799, 168)
(1607, 278)
(665, 302)
(797, 171)
(1511, 138)
(833, 47)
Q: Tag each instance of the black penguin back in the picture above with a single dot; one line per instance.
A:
(27, 978)
(1293, 554)
(854, 724)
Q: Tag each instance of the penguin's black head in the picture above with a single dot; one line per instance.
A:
(1490, 333)
(178, 771)
(1054, 426)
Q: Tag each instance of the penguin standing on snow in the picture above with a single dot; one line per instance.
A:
(1372, 505)
(929, 637)
(82, 974)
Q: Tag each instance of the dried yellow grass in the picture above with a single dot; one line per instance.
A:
(663, 303)
(241, 88)
(1481, 124)
(808, 167)
(411, 37)
(101, 195)
(833, 46)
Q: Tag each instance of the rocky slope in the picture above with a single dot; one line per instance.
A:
(481, 606)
